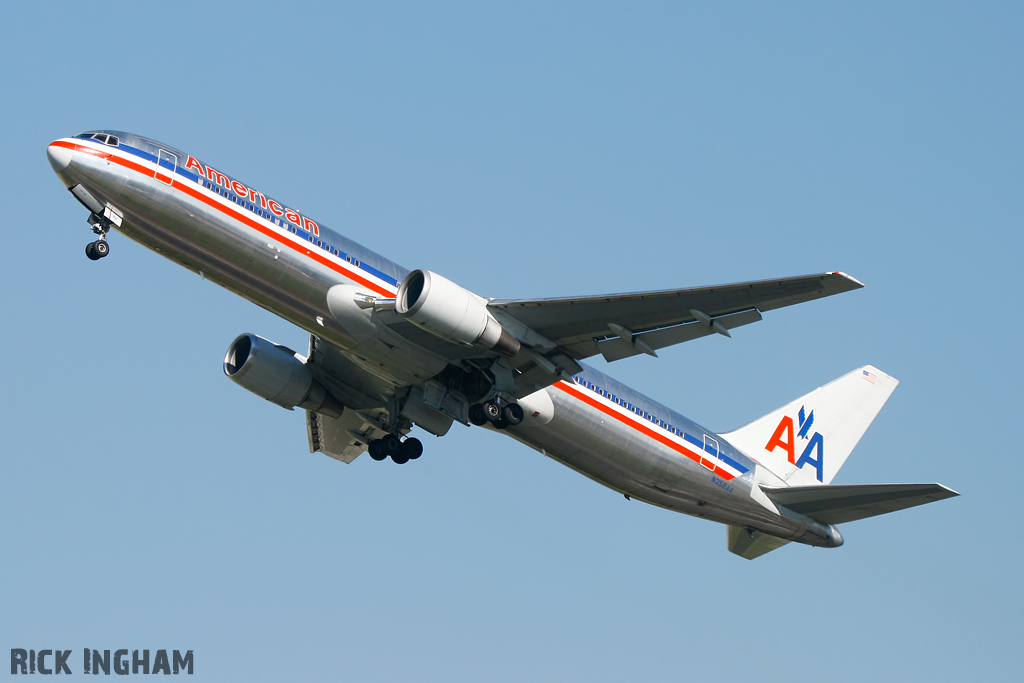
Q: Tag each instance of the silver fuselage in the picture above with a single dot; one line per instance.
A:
(286, 264)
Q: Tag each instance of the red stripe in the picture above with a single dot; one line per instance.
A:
(194, 192)
(661, 438)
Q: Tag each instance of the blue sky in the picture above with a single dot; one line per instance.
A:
(538, 149)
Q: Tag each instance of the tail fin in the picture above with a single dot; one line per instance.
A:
(807, 441)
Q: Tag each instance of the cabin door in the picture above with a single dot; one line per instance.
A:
(167, 164)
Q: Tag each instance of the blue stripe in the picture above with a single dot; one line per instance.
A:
(699, 443)
(729, 461)
(690, 438)
(693, 440)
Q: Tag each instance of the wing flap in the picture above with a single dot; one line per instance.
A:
(620, 347)
(341, 438)
(839, 504)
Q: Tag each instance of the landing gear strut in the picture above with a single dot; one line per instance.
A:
(400, 451)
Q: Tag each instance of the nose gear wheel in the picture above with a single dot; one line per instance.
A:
(97, 250)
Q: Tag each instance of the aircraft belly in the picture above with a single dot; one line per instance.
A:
(279, 279)
(631, 463)
(619, 457)
(198, 239)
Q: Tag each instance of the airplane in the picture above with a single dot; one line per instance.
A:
(390, 349)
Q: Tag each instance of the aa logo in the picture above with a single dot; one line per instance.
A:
(784, 438)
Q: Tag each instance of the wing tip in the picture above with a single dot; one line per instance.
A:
(856, 284)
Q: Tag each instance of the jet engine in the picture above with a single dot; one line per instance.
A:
(441, 307)
(277, 374)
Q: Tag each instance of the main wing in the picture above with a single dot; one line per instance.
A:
(623, 325)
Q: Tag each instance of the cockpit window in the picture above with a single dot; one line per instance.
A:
(100, 137)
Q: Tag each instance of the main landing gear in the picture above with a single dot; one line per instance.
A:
(501, 415)
(400, 451)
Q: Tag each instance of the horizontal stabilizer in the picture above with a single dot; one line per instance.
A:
(839, 504)
(748, 543)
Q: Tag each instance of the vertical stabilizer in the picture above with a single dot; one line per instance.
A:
(808, 440)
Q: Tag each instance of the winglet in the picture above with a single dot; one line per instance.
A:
(848, 277)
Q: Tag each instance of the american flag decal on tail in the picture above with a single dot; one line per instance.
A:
(870, 376)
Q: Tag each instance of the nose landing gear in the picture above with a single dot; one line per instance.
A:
(97, 250)
(100, 248)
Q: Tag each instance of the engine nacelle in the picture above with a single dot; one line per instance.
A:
(441, 307)
(276, 374)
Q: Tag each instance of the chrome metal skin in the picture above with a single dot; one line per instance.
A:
(287, 281)
(622, 459)
(59, 158)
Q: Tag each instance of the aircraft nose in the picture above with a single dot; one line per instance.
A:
(59, 156)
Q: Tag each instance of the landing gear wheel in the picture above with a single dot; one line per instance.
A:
(399, 459)
(477, 415)
(90, 251)
(501, 423)
(100, 248)
(411, 449)
(492, 410)
(389, 445)
(513, 413)
(374, 450)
